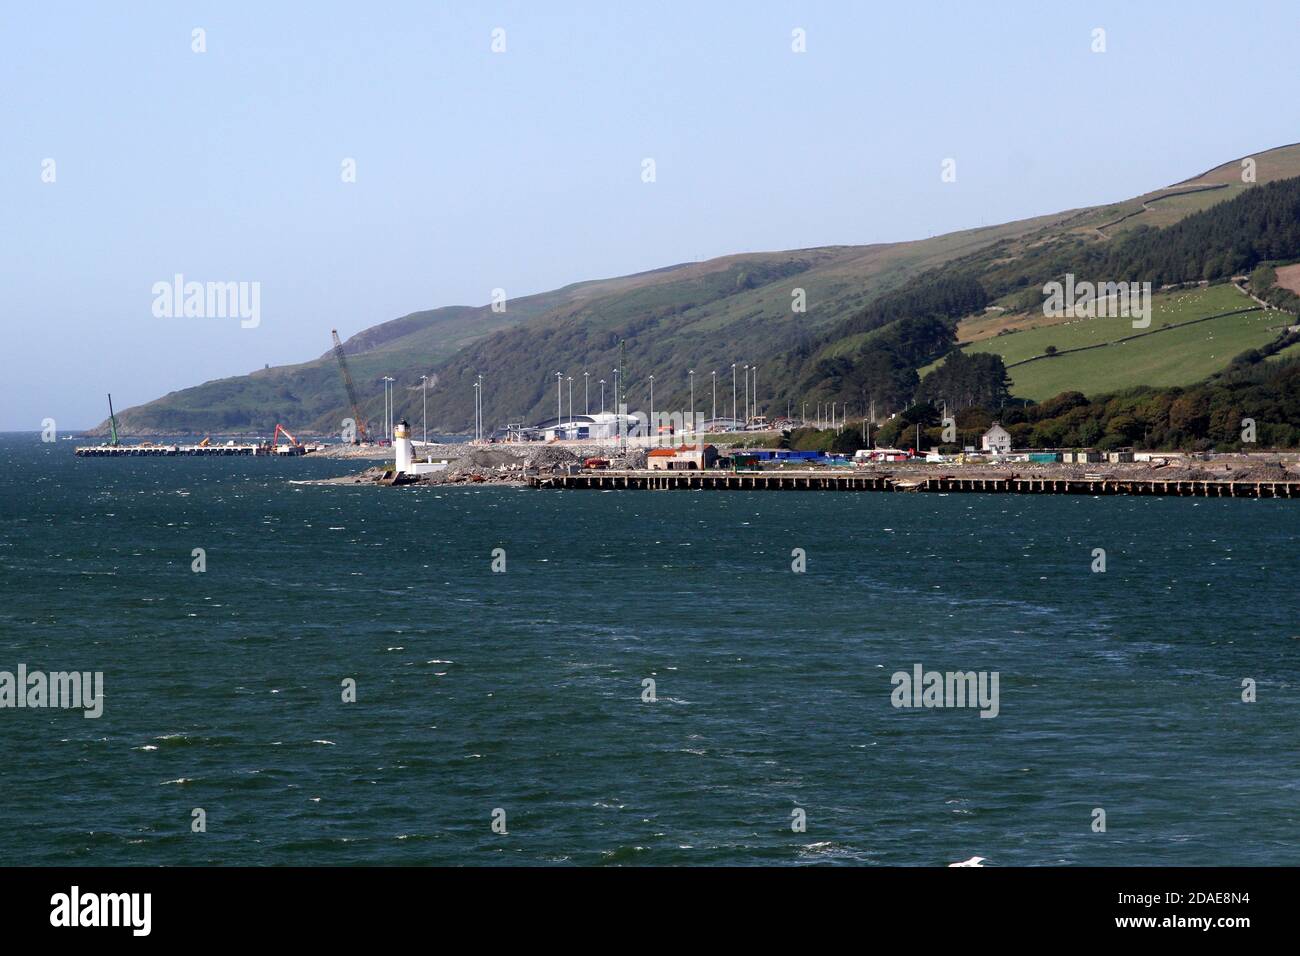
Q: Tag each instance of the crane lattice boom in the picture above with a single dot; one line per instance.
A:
(352, 389)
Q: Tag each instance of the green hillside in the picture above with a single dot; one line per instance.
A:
(734, 308)
(875, 314)
(872, 358)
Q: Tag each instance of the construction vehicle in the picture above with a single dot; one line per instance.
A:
(281, 430)
(360, 436)
(207, 440)
(293, 448)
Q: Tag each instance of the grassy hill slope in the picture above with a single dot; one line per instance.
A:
(725, 308)
(1182, 355)
(708, 315)
(1179, 348)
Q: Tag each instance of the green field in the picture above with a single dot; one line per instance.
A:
(1175, 356)
(1180, 356)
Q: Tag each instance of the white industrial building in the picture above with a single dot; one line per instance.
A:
(599, 427)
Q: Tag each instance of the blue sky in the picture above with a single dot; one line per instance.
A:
(522, 169)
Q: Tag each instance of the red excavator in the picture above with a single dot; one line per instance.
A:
(281, 430)
(293, 448)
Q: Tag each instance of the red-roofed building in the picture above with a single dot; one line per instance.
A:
(681, 458)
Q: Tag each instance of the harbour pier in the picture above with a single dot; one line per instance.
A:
(156, 451)
(823, 480)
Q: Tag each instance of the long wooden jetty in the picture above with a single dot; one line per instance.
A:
(789, 480)
(131, 451)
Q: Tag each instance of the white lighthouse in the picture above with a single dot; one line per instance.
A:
(406, 463)
(402, 443)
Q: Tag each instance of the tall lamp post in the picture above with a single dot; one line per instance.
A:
(714, 419)
(388, 404)
(652, 407)
(559, 401)
(733, 394)
(424, 389)
(618, 410)
(746, 395)
(691, 373)
(602, 396)
(586, 394)
(570, 381)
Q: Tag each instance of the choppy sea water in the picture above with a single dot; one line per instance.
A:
(522, 691)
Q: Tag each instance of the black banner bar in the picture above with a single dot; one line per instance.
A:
(335, 905)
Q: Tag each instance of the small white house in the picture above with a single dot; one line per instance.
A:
(996, 441)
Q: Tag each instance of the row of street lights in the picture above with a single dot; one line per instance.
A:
(750, 402)
(424, 401)
(750, 392)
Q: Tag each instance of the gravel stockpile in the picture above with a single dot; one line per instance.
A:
(483, 460)
(550, 456)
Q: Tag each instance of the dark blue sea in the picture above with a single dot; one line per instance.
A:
(522, 691)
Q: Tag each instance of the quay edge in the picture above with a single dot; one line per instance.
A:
(948, 484)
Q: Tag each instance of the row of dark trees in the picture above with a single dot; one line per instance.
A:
(1251, 406)
(1231, 238)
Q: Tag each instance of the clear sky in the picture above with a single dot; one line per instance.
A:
(522, 169)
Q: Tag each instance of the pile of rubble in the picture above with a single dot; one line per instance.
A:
(482, 461)
(503, 463)
(549, 457)
(634, 459)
